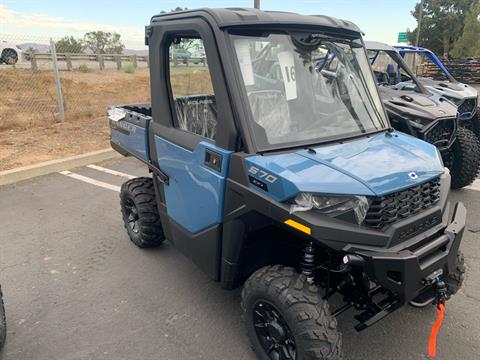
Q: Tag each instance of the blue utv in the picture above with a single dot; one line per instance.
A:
(276, 169)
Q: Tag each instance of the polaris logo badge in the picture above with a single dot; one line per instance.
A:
(413, 175)
(419, 227)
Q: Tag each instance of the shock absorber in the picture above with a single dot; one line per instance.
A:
(307, 264)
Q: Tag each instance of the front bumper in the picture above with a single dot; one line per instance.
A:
(404, 272)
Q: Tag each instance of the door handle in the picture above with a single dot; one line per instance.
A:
(213, 160)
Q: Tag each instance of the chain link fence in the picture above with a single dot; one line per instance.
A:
(88, 83)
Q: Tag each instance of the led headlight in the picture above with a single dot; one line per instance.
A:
(331, 205)
(453, 100)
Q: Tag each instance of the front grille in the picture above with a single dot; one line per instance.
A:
(390, 208)
(441, 134)
(468, 106)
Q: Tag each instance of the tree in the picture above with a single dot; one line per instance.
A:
(187, 44)
(178, 8)
(29, 52)
(69, 44)
(101, 42)
(469, 43)
(442, 23)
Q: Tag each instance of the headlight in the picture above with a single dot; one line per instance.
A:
(455, 101)
(418, 123)
(331, 205)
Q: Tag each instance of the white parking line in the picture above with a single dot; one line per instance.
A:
(110, 171)
(91, 181)
(474, 186)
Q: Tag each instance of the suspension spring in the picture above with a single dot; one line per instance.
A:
(307, 265)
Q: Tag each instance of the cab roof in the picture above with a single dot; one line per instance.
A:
(378, 46)
(239, 17)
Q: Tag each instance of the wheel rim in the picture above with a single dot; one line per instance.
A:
(273, 332)
(132, 215)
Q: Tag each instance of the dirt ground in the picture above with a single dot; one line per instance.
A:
(30, 131)
(19, 147)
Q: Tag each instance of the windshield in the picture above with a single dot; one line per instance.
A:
(390, 70)
(423, 66)
(307, 88)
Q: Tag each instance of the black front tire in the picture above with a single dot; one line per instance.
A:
(140, 213)
(3, 322)
(466, 159)
(299, 309)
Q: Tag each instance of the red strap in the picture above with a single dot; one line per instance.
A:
(432, 342)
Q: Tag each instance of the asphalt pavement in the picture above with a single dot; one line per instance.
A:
(76, 288)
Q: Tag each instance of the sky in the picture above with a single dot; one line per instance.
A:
(37, 20)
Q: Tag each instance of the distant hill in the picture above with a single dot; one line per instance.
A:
(135, 52)
(41, 48)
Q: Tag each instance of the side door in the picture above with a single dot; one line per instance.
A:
(192, 131)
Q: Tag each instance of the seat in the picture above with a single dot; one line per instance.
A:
(197, 114)
(270, 110)
(392, 75)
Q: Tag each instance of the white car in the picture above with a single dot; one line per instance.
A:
(9, 53)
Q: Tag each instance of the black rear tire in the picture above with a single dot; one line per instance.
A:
(3, 322)
(9, 56)
(466, 158)
(300, 325)
(140, 213)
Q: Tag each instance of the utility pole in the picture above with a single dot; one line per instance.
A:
(256, 4)
(419, 22)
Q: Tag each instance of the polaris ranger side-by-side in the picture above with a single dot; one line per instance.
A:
(275, 168)
(429, 116)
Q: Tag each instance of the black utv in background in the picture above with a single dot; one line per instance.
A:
(414, 110)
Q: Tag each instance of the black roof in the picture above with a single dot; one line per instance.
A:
(376, 45)
(230, 17)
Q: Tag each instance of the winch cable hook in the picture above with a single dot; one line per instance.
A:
(441, 290)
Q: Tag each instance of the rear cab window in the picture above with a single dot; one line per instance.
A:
(191, 87)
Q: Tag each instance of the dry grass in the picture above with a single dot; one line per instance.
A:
(29, 100)
(29, 127)
(187, 81)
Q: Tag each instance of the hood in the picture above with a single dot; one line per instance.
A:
(371, 166)
(455, 90)
(411, 104)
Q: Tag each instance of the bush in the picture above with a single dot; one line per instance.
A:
(83, 68)
(129, 68)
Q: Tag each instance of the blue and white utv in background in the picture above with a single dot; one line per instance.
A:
(464, 96)
(276, 169)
